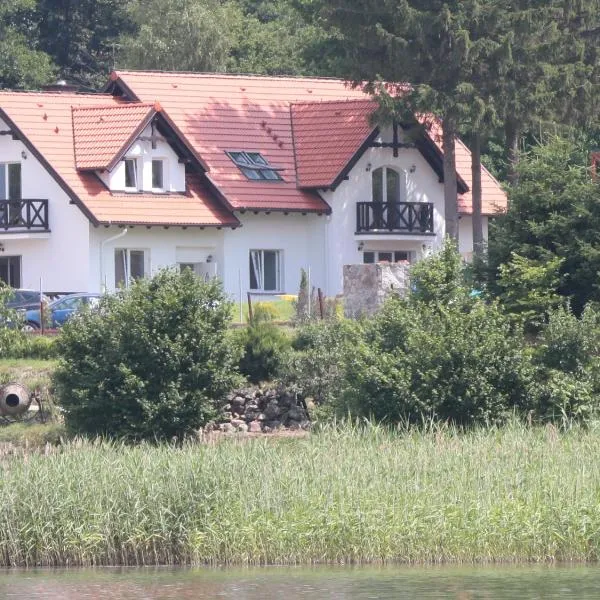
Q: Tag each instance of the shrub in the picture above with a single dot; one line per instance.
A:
(151, 363)
(568, 363)
(427, 360)
(316, 367)
(263, 346)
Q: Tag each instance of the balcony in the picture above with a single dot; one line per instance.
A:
(23, 216)
(411, 218)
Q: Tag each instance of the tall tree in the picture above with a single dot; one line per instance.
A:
(427, 43)
(180, 35)
(22, 64)
(82, 36)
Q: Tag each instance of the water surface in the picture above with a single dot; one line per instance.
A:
(271, 583)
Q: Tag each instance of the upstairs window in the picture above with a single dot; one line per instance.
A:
(10, 181)
(254, 166)
(388, 185)
(158, 175)
(131, 173)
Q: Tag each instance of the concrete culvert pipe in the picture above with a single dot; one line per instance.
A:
(14, 399)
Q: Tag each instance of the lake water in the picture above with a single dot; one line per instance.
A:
(339, 583)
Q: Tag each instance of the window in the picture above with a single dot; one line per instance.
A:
(388, 185)
(254, 166)
(10, 271)
(131, 173)
(265, 270)
(10, 189)
(157, 175)
(129, 265)
(387, 256)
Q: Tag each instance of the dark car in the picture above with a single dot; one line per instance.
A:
(59, 311)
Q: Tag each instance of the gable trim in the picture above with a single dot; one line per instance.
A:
(354, 159)
(59, 180)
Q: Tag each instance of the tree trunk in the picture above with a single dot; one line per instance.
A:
(511, 133)
(450, 178)
(476, 195)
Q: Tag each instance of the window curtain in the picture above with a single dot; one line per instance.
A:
(256, 260)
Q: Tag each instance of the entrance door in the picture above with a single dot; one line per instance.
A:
(10, 270)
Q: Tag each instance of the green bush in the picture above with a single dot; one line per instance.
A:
(444, 362)
(36, 346)
(151, 363)
(316, 367)
(568, 365)
(264, 346)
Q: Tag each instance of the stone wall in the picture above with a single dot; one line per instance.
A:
(256, 410)
(366, 287)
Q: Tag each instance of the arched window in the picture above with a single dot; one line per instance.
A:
(388, 185)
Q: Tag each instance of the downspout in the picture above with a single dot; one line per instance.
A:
(102, 244)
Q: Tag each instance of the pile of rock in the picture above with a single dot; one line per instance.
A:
(256, 410)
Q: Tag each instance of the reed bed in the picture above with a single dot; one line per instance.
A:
(346, 494)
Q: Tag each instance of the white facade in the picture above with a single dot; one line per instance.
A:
(76, 256)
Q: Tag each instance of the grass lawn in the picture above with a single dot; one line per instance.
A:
(283, 309)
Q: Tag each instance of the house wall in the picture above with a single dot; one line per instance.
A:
(343, 243)
(164, 248)
(301, 238)
(174, 171)
(465, 234)
(60, 257)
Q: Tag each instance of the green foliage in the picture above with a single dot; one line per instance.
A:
(22, 64)
(568, 361)
(303, 297)
(439, 278)
(179, 35)
(528, 288)
(151, 363)
(449, 362)
(316, 368)
(553, 217)
(263, 344)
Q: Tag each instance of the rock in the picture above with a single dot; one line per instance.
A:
(272, 410)
(225, 416)
(237, 422)
(226, 407)
(310, 403)
(261, 417)
(226, 428)
(286, 400)
(272, 425)
(242, 427)
(238, 403)
(255, 427)
(306, 425)
(296, 414)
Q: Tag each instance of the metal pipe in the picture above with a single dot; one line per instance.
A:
(102, 244)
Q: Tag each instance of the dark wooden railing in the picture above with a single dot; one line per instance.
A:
(394, 217)
(23, 215)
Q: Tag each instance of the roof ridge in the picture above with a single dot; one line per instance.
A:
(203, 74)
(331, 101)
(55, 93)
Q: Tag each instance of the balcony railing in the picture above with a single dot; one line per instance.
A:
(394, 217)
(23, 215)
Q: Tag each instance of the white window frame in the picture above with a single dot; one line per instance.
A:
(136, 171)
(5, 165)
(257, 260)
(127, 266)
(163, 161)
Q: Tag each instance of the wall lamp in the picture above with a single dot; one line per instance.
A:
(23, 155)
(361, 245)
(209, 258)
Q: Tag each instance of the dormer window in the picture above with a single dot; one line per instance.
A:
(255, 166)
(131, 174)
(158, 175)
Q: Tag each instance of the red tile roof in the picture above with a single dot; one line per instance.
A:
(272, 115)
(102, 133)
(326, 136)
(217, 113)
(46, 122)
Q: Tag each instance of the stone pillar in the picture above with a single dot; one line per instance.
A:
(366, 287)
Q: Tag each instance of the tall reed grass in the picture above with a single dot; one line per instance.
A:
(347, 494)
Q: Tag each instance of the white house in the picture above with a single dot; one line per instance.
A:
(247, 178)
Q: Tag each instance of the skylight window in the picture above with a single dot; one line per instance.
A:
(255, 166)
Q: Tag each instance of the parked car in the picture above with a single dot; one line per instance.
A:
(25, 299)
(60, 310)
